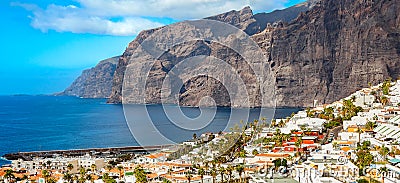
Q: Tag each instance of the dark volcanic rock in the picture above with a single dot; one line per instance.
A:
(95, 82)
(325, 54)
(334, 49)
(243, 19)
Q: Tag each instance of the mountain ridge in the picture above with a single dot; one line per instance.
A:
(95, 82)
(327, 51)
(241, 19)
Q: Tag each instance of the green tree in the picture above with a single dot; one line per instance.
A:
(188, 176)
(140, 175)
(9, 175)
(46, 174)
(362, 181)
(89, 178)
(67, 177)
(213, 173)
(277, 163)
(166, 180)
(273, 123)
(384, 100)
(370, 125)
(51, 180)
(94, 167)
(70, 167)
(222, 173)
(201, 172)
(240, 170)
(48, 163)
(383, 171)
(384, 151)
(120, 168)
(364, 158)
(386, 86)
(229, 171)
(298, 143)
(255, 152)
(284, 163)
(108, 179)
(242, 153)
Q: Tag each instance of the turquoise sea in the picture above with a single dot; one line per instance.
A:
(35, 123)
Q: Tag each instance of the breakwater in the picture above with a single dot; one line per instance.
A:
(27, 156)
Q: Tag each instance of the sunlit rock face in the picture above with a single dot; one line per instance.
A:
(326, 53)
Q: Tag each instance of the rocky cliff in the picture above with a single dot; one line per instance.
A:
(243, 19)
(95, 82)
(325, 54)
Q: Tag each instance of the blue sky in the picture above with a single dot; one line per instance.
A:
(47, 43)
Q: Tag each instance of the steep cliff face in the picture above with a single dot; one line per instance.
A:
(324, 54)
(333, 50)
(95, 82)
(243, 19)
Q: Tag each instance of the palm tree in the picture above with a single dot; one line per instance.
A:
(93, 166)
(169, 171)
(51, 180)
(89, 178)
(206, 166)
(384, 100)
(140, 175)
(229, 171)
(359, 131)
(120, 168)
(369, 125)
(383, 171)
(281, 123)
(81, 180)
(48, 164)
(188, 176)
(9, 175)
(383, 152)
(298, 143)
(70, 167)
(213, 173)
(25, 177)
(46, 175)
(335, 145)
(240, 169)
(353, 98)
(67, 177)
(82, 171)
(273, 123)
(222, 173)
(201, 172)
(109, 167)
(255, 152)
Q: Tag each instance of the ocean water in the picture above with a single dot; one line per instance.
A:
(36, 123)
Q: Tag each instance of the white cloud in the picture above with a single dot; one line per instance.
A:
(126, 17)
(178, 9)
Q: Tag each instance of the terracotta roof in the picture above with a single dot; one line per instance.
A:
(174, 164)
(152, 175)
(273, 155)
(114, 170)
(345, 149)
(154, 156)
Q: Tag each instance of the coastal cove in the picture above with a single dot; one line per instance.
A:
(39, 123)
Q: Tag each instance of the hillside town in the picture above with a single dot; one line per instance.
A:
(351, 140)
